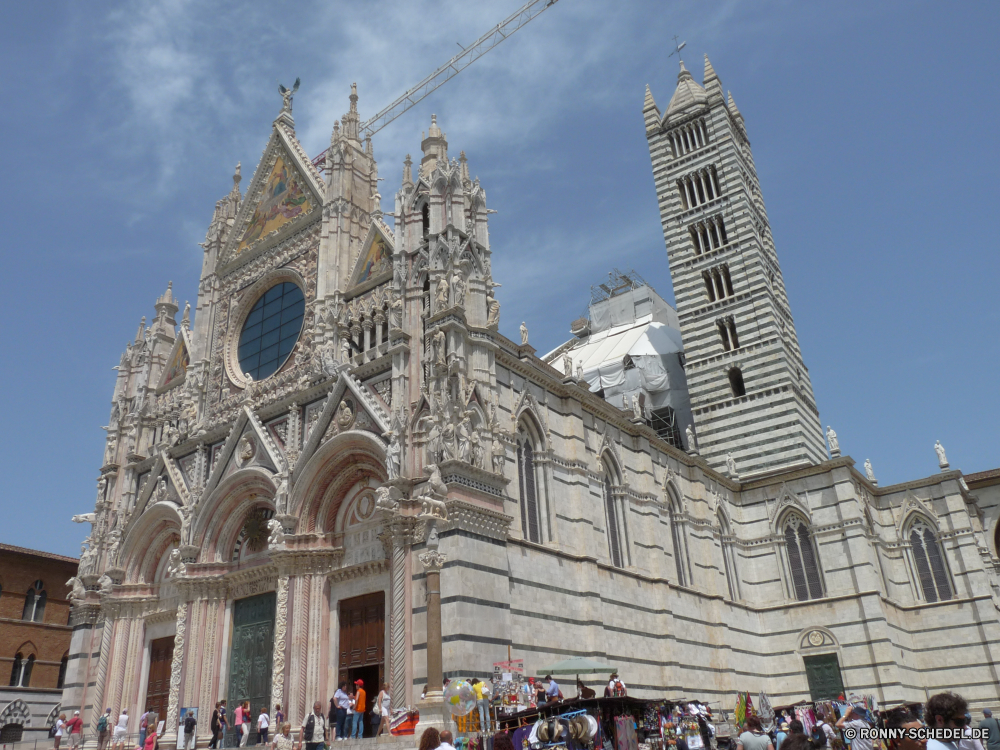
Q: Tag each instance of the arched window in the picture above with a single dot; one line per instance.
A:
(932, 572)
(20, 673)
(425, 217)
(736, 382)
(677, 537)
(802, 562)
(527, 488)
(614, 542)
(729, 557)
(34, 603)
(62, 671)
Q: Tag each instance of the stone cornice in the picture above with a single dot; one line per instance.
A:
(477, 520)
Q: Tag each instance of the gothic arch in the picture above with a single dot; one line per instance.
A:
(615, 521)
(27, 649)
(531, 484)
(16, 712)
(224, 507)
(787, 502)
(926, 559)
(728, 549)
(327, 475)
(145, 532)
(148, 567)
(678, 536)
(528, 408)
(912, 506)
(801, 558)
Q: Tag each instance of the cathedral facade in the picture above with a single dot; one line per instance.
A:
(339, 427)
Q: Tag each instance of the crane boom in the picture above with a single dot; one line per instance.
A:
(450, 69)
(457, 64)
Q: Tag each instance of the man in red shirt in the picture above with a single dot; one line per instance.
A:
(75, 728)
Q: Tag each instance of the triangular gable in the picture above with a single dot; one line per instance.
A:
(177, 363)
(284, 190)
(375, 259)
(265, 452)
(362, 397)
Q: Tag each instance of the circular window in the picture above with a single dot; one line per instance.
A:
(271, 330)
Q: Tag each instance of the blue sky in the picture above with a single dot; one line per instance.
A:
(872, 125)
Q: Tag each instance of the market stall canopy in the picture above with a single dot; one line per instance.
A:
(578, 665)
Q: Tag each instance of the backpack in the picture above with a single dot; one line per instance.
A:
(102, 723)
(189, 723)
(52, 731)
(817, 735)
(310, 726)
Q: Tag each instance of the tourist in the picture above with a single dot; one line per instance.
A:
(238, 723)
(482, 703)
(795, 727)
(352, 714)
(992, 727)
(430, 739)
(190, 722)
(385, 706)
(341, 702)
(263, 724)
(853, 718)
(223, 723)
(903, 718)
(822, 733)
(313, 732)
(446, 739)
(121, 731)
(279, 715)
(151, 720)
(143, 727)
(283, 739)
(582, 691)
(104, 729)
(754, 738)
(214, 727)
(247, 718)
(615, 688)
(60, 730)
(780, 735)
(360, 703)
(970, 741)
(74, 728)
(797, 741)
(552, 692)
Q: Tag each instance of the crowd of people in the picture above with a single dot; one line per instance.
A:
(942, 711)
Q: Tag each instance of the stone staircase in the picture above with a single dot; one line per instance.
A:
(385, 742)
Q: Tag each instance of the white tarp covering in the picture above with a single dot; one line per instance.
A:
(603, 355)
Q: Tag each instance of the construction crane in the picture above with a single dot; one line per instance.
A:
(453, 67)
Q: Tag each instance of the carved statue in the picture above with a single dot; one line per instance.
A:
(397, 312)
(458, 287)
(731, 466)
(392, 455)
(344, 416)
(387, 498)
(831, 438)
(114, 542)
(692, 443)
(175, 566)
(435, 483)
(77, 591)
(477, 452)
(579, 371)
(499, 455)
(441, 294)
(281, 494)
(636, 407)
(493, 312)
(160, 493)
(438, 346)
(109, 451)
(462, 435)
(433, 443)
(287, 94)
(85, 518)
(869, 471)
(568, 365)
(524, 334)
(105, 583)
(448, 440)
(185, 511)
(277, 535)
(942, 458)
(345, 348)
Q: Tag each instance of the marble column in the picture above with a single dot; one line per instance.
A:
(432, 560)
(280, 632)
(176, 668)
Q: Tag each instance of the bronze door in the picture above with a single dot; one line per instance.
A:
(161, 655)
(251, 654)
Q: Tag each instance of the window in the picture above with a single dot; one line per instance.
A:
(698, 188)
(614, 542)
(709, 235)
(736, 382)
(526, 485)
(689, 137)
(664, 421)
(718, 283)
(34, 603)
(802, 561)
(62, 671)
(677, 537)
(727, 332)
(932, 573)
(425, 217)
(271, 330)
(20, 673)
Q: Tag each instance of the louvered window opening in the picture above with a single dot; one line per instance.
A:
(806, 583)
(529, 498)
(727, 332)
(689, 137)
(614, 543)
(931, 571)
(718, 283)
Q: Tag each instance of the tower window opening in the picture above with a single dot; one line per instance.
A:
(709, 286)
(719, 286)
(425, 216)
(732, 332)
(736, 382)
(728, 280)
(724, 335)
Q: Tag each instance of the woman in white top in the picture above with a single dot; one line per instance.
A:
(263, 722)
(283, 739)
(384, 702)
(60, 729)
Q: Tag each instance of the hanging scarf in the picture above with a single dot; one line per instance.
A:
(765, 712)
(740, 714)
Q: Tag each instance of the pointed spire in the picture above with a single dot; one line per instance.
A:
(141, 331)
(709, 73)
(434, 146)
(712, 84)
(186, 320)
(733, 109)
(464, 165)
(351, 120)
(408, 172)
(650, 112)
(688, 95)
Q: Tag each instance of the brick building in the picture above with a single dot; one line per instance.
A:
(34, 639)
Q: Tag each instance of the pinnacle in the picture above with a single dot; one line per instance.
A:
(710, 74)
(648, 103)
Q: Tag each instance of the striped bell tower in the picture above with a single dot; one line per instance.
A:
(750, 391)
